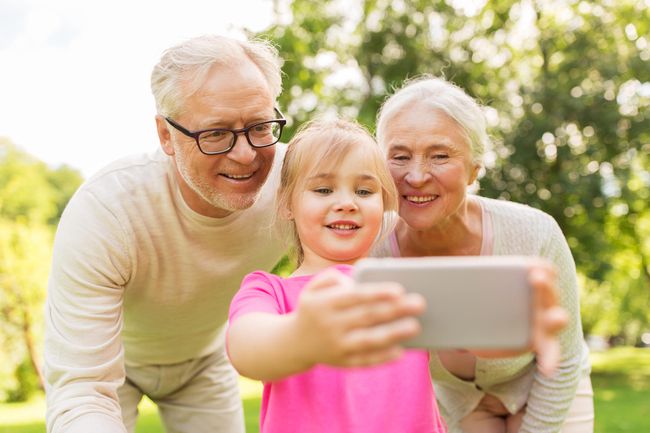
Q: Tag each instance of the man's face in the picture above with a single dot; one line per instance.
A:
(231, 97)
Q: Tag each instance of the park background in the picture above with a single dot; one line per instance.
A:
(566, 89)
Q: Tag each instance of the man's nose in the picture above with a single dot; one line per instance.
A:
(242, 152)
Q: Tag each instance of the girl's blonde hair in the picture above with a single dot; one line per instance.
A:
(322, 144)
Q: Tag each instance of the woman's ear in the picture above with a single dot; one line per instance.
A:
(475, 171)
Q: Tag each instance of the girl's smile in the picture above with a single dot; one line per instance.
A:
(338, 212)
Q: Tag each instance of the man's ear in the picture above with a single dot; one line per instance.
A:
(164, 135)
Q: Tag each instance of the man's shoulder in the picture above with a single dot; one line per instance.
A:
(131, 166)
(124, 182)
(129, 174)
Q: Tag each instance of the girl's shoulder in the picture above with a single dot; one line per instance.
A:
(262, 276)
(262, 280)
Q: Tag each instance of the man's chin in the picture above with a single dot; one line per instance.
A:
(234, 202)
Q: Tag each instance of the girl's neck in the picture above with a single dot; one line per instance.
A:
(313, 265)
(460, 235)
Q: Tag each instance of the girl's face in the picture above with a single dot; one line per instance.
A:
(338, 212)
(430, 160)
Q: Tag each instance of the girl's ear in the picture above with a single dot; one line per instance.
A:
(286, 213)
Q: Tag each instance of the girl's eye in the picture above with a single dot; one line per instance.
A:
(322, 190)
(364, 192)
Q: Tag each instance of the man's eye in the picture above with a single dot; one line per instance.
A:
(262, 128)
(440, 156)
(216, 134)
(400, 158)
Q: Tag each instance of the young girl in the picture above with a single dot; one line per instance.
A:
(296, 334)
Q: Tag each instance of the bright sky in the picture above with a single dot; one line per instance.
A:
(74, 74)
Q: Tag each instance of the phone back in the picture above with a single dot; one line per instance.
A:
(477, 302)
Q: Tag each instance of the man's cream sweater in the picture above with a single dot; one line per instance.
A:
(139, 278)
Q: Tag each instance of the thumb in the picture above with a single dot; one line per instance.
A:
(328, 279)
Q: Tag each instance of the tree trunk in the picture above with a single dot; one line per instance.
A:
(31, 349)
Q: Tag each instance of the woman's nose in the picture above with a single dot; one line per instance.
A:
(417, 174)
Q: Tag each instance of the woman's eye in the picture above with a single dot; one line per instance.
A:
(440, 157)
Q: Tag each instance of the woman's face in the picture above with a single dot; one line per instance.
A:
(430, 160)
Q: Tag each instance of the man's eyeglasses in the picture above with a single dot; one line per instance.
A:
(222, 140)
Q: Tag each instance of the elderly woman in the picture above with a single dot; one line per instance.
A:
(434, 135)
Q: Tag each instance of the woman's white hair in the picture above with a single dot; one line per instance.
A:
(443, 95)
(188, 62)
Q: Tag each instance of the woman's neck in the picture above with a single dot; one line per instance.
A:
(461, 234)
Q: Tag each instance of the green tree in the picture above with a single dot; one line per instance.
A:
(32, 198)
(24, 265)
(567, 90)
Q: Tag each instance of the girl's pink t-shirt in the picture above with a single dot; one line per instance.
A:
(396, 397)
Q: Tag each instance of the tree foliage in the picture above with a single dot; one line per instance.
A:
(566, 87)
(32, 198)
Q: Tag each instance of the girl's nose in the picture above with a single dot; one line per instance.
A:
(346, 203)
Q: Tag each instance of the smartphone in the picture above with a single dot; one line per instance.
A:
(473, 302)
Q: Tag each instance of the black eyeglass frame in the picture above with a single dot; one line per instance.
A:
(235, 132)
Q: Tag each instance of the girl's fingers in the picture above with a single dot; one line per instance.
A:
(381, 337)
(373, 312)
(327, 280)
(542, 278)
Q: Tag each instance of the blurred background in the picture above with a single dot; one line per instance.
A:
(566, 89)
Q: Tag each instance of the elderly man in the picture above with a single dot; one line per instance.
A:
(151, 249)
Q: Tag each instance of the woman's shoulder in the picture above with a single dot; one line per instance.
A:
(519, 228)
(509, 212)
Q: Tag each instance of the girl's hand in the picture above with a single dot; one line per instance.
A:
(343, 324)
(548, 320)
(548, 317)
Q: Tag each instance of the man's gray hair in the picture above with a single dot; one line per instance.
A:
(443, 95)
(183, 68)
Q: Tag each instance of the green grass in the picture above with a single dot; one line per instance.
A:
(621, 380)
